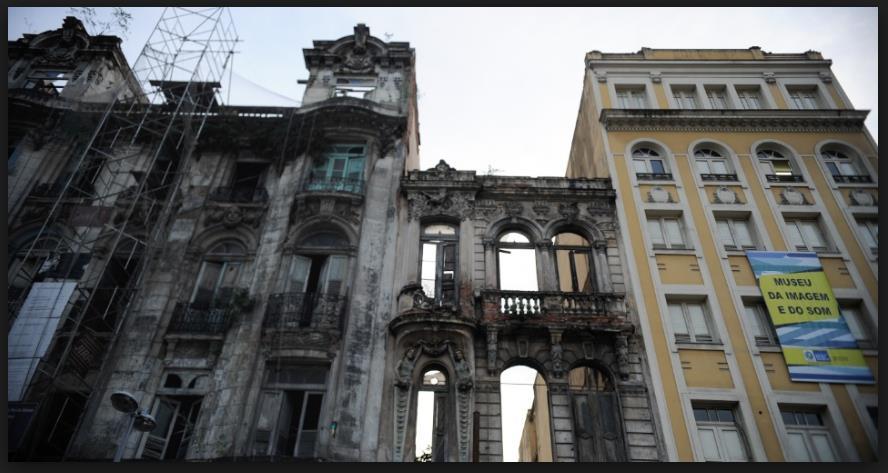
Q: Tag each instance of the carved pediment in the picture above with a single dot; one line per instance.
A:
(440, 202)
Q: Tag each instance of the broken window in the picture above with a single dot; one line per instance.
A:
(439, 262)
(597, 422)
(340, 169)
(246, 182)
(50, 82)
(573, 260)
(432, 413)
(176, 417)
(516, 262)
(218, 275)
(289, 414)
(355, 87)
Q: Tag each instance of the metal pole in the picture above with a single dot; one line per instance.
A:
(122, 445)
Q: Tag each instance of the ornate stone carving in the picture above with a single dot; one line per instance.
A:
(659, 195)
(858, 197)
(825, 77)
(541, 209)
(598, 207)
(601, 76)
(557, 353)
(569, 211)
(491, 352)
(724, 195)
(234, 215)
(485, 209)
(513, 209)
(442, 202)
(790, 196)
(656, 77)
(621, 344)
(769, 77)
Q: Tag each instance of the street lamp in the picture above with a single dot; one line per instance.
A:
(140, 419)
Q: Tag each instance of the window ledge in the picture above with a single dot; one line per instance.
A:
(769, 348)
(712, 346)
(674, 251)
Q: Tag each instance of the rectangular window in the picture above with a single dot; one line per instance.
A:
(685, 97)
(806, 234)
(809, 437)
(804, 97)
(631, 97)
(666, 232)
(359, 88)
(721, 436)
(691, 322)
(50, 82)
(735, 233)
(288, 418)
(868, 228)
(749, 97)
(760, 323)
(718, 98)
(858, 325)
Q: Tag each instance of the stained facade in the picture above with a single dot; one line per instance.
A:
(314, 280)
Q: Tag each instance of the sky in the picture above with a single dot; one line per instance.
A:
(500, 88)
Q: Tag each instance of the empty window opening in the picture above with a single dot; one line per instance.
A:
(289, 414)
(525, 413)
(439, 262)
(516, 258)
(573, 260)
(359, 88)
(50, 82)
(432, 414)
(597, 422)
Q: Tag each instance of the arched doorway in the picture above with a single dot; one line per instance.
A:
(597, 420)
(432, 414)
(524, 402)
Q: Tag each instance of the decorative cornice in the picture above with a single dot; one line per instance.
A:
(733, 120)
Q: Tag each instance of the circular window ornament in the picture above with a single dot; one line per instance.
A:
(726, 196)
(659, 195)
(862, 198)
(793, 197)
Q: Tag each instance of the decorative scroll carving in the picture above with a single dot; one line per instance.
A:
(234, 215)
(557, 354)
(621, 343)
(442, 202)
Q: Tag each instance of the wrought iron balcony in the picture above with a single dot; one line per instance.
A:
(190, 320)
(653, 176)
(335, 184)
(718, 177)
(239, 195)
(784, 178)
(305, 310)
(541, 304)
(861, 179)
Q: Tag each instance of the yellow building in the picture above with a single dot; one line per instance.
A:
(713, 153)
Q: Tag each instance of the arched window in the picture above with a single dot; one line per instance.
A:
(516, 262)
(597, 420)
(340, 169)
(438, 262)
(433, 414)
(844, 166)
(649, 165)
(573, 261)
(712, 166)
(777, 166)
(218, 275)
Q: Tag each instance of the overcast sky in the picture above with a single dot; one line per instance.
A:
(501, 87)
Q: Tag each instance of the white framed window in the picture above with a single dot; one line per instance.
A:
(712, 165)
(857, 324)
(648, 164)
(777, 167)
(438, 262)
(685, 97)
(735, 233)
(666, 232)
(805, 234)
(720, 433)
(843, 166)
(750, 98)
(691, 322)
(804, 97)
(718, 97)
(868, 228)
(631, 97)
(809, 439)
(760, 324)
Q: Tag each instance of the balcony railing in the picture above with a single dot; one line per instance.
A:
(335, 184)
(239, 195)
(784, 178)
(718, 177)
(653, 176)
(187, 319)
(300, 310)
(862, 179)
(522, 304)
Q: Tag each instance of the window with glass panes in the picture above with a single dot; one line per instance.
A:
(721, 436)
(685, 97)
(666, 232)
(857, 325)
(709, 161)
(289, 411)
(438, 262)
(804, 98)
(760, 324)
(218, 275)
(631, 97)
(773, 162)
(806, 234)
(839, 163)
(718, 97)
(869, 233)
(735, 233)
(750, 98)
(341, 168)
(648, 161)
(691, 323)
(809, 439)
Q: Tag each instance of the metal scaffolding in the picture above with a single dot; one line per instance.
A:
(110, 218)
